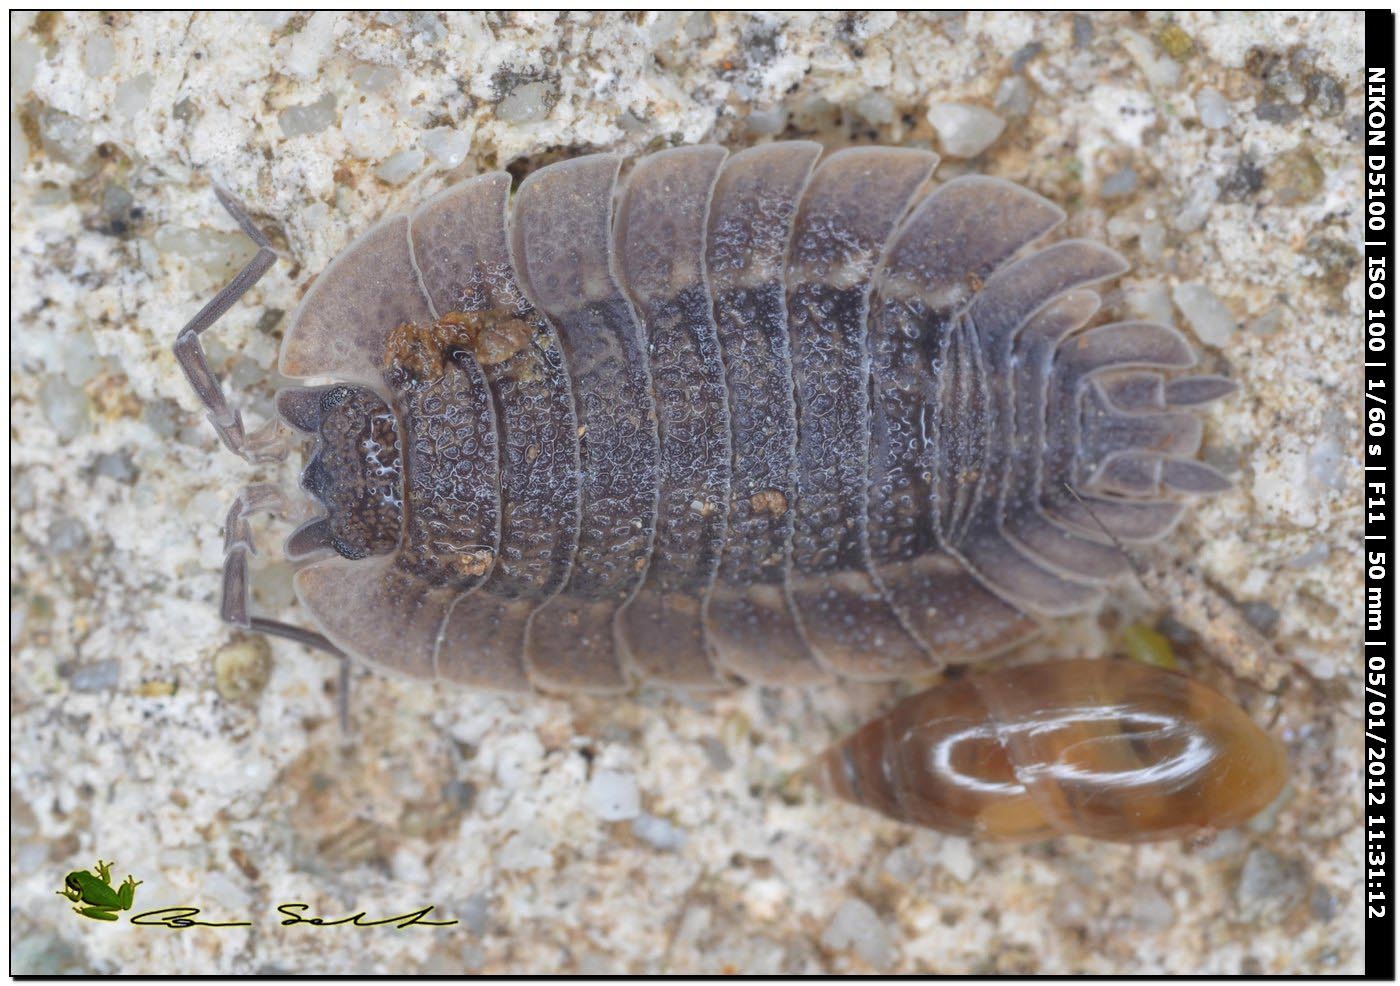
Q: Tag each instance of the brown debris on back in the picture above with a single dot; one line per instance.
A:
(474, 564)
(769, 501)
(421, 351)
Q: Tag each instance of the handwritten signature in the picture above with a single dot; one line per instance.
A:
(179, 918)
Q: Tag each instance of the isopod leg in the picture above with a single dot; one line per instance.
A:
(238, 545)
(233, 607)
(266, 444)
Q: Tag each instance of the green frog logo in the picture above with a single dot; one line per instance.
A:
(94, 891)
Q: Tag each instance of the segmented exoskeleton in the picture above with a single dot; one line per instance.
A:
(757, 415)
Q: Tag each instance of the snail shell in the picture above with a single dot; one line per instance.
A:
(1112, 750)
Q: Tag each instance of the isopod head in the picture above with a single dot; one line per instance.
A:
(354, 472)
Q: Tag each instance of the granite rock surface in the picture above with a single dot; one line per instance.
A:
(1219, 152)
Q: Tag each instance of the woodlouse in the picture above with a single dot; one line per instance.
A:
(751, 415)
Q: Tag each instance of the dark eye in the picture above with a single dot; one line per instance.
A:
(347, 550)
(459, 355)
(314, 478)
(334, 397)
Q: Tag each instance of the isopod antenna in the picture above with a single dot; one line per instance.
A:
(267, 444)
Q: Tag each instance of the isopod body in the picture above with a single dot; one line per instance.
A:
(752, 414)
(769, 415)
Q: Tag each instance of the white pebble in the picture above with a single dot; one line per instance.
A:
(66, 408)
(309, 118)
(19, 147)
(24, 63)
(658, 833)
(408, 867)
(274, 20)
(446, 146)
(312, 45)
(1212, 108)
(428, 27)
(664, 27)
(218, 252)
(875, 107)
(1268, 323)
(66, 137)
(1014, 96)
(81, 361)
(1195, 208)
(965, 130)
(813, 113)
(98, 56)
(526, 103)
(1282, 487)
(1121, 227)
(694, 923)
(905, 863)
(856, 925)
(28, 858)
(1153, 240)
(1149, 300)
(698, 25)
(1124, 113)
(96, 676)
(1327, 465)
(518, 760)
(368, 128)
(1122, 182)
(1315, 555)
(528, 849)
(316, 215)
(767, 121)
(400, 167)
(368, 77)
(228, 890)
(1160, 69)
(956, 857)
(133, 95)
(1207, 314)
(613, 796)
(873, 23)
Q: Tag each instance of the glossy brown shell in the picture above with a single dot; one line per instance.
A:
(770, 414)
(1113, 750)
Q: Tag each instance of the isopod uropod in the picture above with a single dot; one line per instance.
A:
(760, 416)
